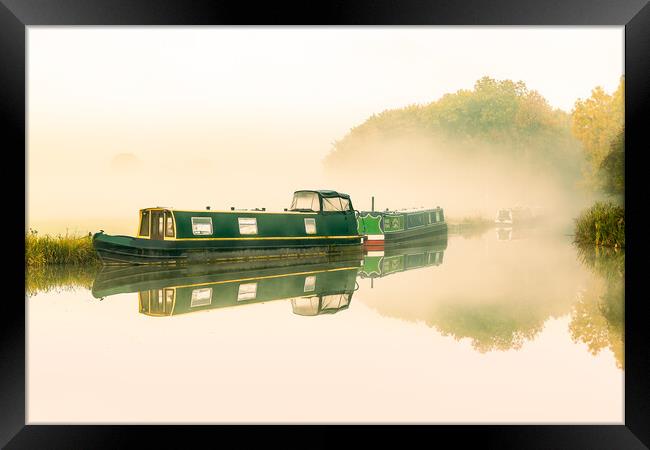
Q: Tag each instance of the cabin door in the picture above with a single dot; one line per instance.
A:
(157, 225)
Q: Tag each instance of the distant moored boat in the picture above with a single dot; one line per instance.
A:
(401, 227)
(514, 216)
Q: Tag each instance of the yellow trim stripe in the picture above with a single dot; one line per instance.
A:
(241, 211)
(263, 278)
(263, 238)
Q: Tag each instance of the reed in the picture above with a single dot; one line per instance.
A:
(58, 278)
(603, 224)
(42, 250)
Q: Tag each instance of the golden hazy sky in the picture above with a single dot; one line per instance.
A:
(121, 118)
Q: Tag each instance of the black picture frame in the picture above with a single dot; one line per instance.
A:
(16, 15)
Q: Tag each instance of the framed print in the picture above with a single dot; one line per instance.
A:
(362, 213)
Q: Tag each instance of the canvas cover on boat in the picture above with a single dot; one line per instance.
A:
(328, 194)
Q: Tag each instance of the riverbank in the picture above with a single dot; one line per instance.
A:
(603, 225)
(42, 250)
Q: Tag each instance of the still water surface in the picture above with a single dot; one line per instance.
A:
(504, 326)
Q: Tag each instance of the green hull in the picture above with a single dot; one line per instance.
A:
(119, 250)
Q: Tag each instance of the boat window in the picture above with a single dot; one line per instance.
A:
(345, 203)
(247, 291)
(415, 220)
(305, 201)
(310, 226)
(144, 223)
(310, 283)
(201, 297)
(247, 225)
(160, 225)
(169, 299)
(334, 302)
(305, 306)
(144, 301)
(437, 215)
(169, 225)
(201, 226)
(442, 215)
(332, 204)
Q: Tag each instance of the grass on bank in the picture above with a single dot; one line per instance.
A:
(603, 224)
(41, 250)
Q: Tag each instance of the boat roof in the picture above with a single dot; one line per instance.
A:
(325, 193)
(401, 211)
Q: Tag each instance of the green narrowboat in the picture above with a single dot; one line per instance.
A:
(401, 227)
(393, 259)
(318, 221)
(315, 288)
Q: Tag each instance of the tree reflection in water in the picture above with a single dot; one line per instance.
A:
(598, 316)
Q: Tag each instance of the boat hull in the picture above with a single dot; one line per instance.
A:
(426, 233)
(120, 250)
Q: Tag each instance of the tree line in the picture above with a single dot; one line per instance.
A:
(501, 118)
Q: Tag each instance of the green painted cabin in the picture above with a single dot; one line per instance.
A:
(317, 221)
(402, 226)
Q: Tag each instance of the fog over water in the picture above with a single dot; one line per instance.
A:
(495, 328)
(483, 324)
(125, 118)
(465, 185)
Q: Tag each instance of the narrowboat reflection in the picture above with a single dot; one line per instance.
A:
(314, 287)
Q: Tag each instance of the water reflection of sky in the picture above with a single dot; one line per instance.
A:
(519, 330)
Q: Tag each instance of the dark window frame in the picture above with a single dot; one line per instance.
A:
(169, 217)
(145, 215)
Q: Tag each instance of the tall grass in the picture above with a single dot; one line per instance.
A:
(42, 250)
(602, 224)
(59, 278)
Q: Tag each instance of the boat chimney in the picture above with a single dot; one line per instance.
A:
(208, 208)
(373, 204)
(232, 208)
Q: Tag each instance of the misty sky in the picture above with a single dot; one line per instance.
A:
(124, 117)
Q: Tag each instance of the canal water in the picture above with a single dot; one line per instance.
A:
(499, 326)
